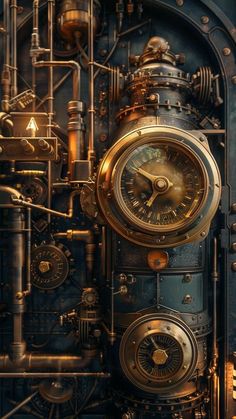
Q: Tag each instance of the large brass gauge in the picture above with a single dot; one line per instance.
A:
(159, 186)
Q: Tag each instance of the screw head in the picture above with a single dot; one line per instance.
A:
(233, 208)
(233, 247)
(205, 20)
(233, 266)
(233, 227)
(226, 51)
(179, 2)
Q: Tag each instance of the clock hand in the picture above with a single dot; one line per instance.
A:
(149, 176)
(154, 343)
(152, 198)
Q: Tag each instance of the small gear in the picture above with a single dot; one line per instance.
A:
(89, 297)
(50, 266)
(35, 189)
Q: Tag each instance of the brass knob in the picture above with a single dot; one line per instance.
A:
(44, 266)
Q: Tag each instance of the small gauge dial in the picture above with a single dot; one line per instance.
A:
(49, 267)
(159, 186)
(158, 352)
(160, 356)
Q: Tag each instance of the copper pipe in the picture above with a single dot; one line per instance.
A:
(83, 235)
(112, 334)
(6, 75)
(50, 98)
(19, 406)
(13, 223)
(6, 16)
(54, 374)
(57, 85)
(86, 236)
(72, 64)
(13, 7)
(28, 253)
(91, 110)
(35, 44)
(76, 139)
(215, 350)
(21, 202)
(31, 362)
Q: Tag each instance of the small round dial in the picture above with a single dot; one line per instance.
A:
(49, 267)
(158, 352)
(159, 186)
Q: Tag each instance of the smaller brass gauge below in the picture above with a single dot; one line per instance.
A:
(158, 352)
(159, 187)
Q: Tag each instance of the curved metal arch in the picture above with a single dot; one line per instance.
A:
(215, 10)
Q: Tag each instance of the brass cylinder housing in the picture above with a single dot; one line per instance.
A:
(74, 18)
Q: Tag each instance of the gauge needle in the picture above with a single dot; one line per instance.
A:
(152, 199)
(154, 343)
(149, 176)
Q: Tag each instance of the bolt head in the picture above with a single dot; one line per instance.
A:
(44, 266)
(205, 20)
(226, 51)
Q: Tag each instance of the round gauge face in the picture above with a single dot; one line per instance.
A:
(159, 186)
(159, 356)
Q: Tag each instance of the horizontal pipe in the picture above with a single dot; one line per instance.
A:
(34, 361)
(54, 374)
(19, 201)
(83, 235)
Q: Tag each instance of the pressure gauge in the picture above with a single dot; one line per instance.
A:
(159, 186)
(158, 353)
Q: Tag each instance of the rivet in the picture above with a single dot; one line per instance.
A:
(233, 208)
(233, 247)
(102, 137)
(233, 227)
(226, 51)
(180, 2)
(205, 20)
(233, 266)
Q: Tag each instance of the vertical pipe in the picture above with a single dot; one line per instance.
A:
(112, 332)
(215, 376)
(50, 96)
(6, 76)
(28, 252)
(91, 150)
(6, 15)
(35, 44)
(14, 222)
(14, 47)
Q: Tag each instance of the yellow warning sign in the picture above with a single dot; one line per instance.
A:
(32, 125)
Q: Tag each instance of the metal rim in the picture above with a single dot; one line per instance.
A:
(198, 226)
